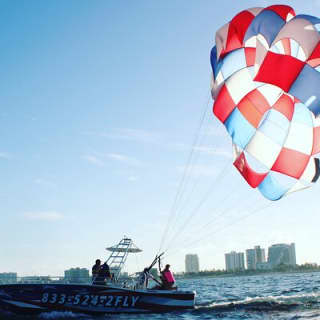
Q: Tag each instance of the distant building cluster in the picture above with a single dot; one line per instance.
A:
(73, 275)
(278, 254)
(282, 254)
(255, 257)
(77, 275)
(8, 277)
(234, 261)
(192, 263)
(35, 279)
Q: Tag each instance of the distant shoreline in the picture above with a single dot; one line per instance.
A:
(244, 274)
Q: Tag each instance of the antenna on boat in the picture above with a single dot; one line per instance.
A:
(119, 254)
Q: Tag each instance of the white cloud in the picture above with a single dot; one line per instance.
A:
(163, 140)
(94, 160)
(44, 182)
(133, 178)
(5, 155)
(100, 159)
(138, 135)
(213, 151)
(43, 216)
(205, 149)
(124, 159)
(200, 170)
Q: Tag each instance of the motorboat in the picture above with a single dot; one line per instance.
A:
(91, 298)
(113, 297)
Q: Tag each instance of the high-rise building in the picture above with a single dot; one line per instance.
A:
(234, 261)
(282, 254)
(255, 256)
(292, 254)
(251, 259)
(192, 263)
(77, 275)
(260, 254)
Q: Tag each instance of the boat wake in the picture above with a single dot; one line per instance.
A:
(52, 315)
(264, 304)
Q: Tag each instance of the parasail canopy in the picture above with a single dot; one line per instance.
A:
(266, 87)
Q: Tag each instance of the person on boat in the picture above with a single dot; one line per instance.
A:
(103, 275)
(95, 269)
(167, 278)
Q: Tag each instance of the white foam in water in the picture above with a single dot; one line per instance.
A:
(290, 299)
(60, 315)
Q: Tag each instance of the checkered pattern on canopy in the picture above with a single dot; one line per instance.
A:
(266, 87)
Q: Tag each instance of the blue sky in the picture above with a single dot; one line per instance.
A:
(100, 102)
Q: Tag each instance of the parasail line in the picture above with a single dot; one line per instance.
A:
(199, 205)
(220, 214)
(186, 169)
(214, 232)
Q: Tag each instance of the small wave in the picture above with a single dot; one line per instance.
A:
(269, 303)
(284, 292)
(309, 315)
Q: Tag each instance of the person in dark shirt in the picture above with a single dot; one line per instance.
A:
(95, 269)
(103, 274)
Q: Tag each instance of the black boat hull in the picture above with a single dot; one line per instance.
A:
(94, 299)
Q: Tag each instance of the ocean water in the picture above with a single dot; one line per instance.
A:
(272, 296)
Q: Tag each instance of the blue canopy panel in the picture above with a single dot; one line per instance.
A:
(233, 62)
(239, 128)
(275, 126)
(314, 20)
(267, 23)
(307, 88)
(302, 115)
(214, 62)
(271, 188)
